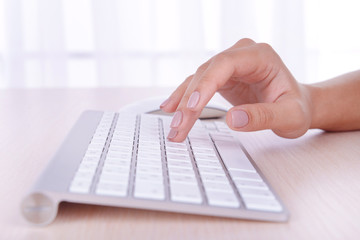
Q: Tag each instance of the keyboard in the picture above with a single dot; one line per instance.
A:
(125, 160)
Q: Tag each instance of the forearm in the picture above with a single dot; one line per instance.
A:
(335, 103)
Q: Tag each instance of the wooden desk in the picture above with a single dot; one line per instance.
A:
(317, 176)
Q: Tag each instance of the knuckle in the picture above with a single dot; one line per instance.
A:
(201, 68)
(264, 47)
(189, 78)
(208, 83)
(245, 41)
(263, 117)
(222, 58)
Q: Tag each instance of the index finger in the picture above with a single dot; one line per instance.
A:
(231, 63)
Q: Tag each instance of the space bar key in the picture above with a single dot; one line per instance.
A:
(233, 156)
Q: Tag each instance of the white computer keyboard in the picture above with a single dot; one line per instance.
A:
(129, 162)
(156, 168)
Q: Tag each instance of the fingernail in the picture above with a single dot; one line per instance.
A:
(193, 100)
(172, 134)
(239, 118)
(176, 121)
(165, 103)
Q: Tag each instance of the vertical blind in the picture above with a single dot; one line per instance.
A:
(91, 43)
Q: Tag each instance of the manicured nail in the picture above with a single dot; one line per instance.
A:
(172, 133)
(239, 118)
(177, 119)
(165, 103)
(193, 100)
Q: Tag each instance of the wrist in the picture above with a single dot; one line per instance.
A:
(315, 94)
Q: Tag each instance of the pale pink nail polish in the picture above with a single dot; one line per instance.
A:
(239, 118)
(193, 100)
(165, 103)
(172, 134)
(177, 119)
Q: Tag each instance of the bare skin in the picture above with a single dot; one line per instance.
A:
(265, 95)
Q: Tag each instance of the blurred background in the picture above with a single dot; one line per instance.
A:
(105, 43)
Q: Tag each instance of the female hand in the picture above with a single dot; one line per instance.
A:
(253, 78)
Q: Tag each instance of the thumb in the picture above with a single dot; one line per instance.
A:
(284, 119)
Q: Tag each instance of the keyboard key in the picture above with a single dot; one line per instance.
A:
(180, 170)
(114, 177)
(233, 157)
(177, 151)
(182, 192)
(222, 199)
(248, 176)
(182, 178)
(217, 186)
(88, 176)
(244, 184)
(255, 203)
(211, 170)
(179, 164)
(80, 186)
(257, 193)
(151, 178)
(144, 189)
(176, 145)
(213, 177)
(112, 189)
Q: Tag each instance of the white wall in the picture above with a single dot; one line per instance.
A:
(90, 43)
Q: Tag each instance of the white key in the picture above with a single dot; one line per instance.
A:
(211, 170)
(213, 177)
(96, 146)
(188, 193)
(198, 135)
(117, 162)
(154, 144)
(95, 153)
(210, 126)
(262, 204)
(179, 164)
(145, 148)
(202, 150)
(175, 145)
(222, 199)
(201, 143)
(87, 176)
(181, 170)
(123, 155)
(122, 148)
(86, 167)
(248, 176)
(153, 178)
(243, 184)
(115, 170)
(149, 162)
(218, 186)
(171, 157)
(91, 159)
(80, 186)
(114, 178)
(257, 193)
(206, 157)
(147, 170)
(149, 190)
(177, 151)
(112, 189)
(204, 163)
(233, 156)
(173, 177)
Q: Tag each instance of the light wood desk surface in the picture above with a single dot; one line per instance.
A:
(317, 176)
